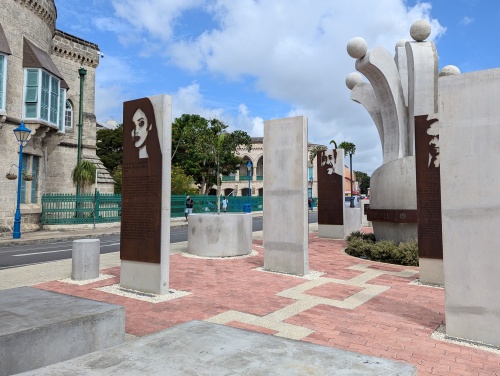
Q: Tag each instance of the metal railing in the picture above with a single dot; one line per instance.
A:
(72, 209)
(101, 207)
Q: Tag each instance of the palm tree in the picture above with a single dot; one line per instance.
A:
(83, 175)
(350, 148)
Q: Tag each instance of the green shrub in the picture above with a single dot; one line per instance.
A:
(358, 247)
(385, 251)
(364, 246)
(408, 252)
(361, 235)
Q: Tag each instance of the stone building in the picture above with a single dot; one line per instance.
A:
(40, 85)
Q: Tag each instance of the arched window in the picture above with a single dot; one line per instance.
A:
(68, 115)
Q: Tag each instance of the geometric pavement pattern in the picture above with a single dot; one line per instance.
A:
(304, 301)
(355, 305)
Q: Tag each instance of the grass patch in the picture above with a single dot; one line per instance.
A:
(364, 246)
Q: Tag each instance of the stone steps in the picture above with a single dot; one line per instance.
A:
(202, 348)
(41, 327)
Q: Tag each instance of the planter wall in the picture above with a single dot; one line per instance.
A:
(220, 235)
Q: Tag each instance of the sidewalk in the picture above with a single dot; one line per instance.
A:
(78, 232)
(344, 302)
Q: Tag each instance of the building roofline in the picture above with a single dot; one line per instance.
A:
(76, 39)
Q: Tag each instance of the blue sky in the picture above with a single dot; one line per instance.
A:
(247, 61)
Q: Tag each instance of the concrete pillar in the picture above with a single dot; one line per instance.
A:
(285, 200)
(469, 134)
(85, 255)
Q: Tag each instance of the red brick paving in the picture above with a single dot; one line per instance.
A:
(396, 324)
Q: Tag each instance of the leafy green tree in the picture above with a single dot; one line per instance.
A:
(110, 147)
(117, 177)
(181, 183)
(363, 180)
(204, 149)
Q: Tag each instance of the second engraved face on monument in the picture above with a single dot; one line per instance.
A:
(140, 130)
(328, 160)
(433, 132)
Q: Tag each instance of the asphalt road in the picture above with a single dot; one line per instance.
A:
(20, 255)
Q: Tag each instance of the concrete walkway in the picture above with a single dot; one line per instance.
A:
(351, 304)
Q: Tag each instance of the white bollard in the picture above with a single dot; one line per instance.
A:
(85, 256)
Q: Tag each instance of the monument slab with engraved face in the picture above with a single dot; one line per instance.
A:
(145, 230)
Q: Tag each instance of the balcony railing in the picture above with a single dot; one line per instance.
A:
(229, 178)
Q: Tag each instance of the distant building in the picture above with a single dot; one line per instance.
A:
(110, 124)
(237, 184)
(40, 85)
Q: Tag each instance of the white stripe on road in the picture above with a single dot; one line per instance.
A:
(41, 253)
(59, 250)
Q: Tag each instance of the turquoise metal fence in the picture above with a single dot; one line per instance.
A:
(72, 209)
(208, 204)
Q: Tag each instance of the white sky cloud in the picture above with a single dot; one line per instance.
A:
(466, 21)
(295, 51)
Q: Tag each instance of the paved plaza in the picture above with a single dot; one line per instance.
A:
(344, 302)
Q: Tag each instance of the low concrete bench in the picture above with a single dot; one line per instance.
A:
(85, 259)
(202, 348)
(41, 327)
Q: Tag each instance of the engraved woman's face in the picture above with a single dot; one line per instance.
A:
(140, 128)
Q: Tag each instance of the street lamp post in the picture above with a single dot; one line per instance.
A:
(21, 133)
(82, 72)
(247, 208)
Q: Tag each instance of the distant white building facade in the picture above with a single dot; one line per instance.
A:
(237, 184)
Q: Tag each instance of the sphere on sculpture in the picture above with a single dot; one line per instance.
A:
(449, 70)
(357, 47)
(353, 79)
(420, 30)
(401, 43)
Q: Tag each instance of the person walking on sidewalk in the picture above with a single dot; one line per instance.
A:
(224, 203)
(189, 206)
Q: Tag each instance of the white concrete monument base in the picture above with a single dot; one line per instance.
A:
(400, 194)
(431, 271)
(220, 235)
(331, 231)
(352, 222)
(144, 276)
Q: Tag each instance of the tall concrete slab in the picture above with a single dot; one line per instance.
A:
(285, 200)
(470, 155)
(145, 224)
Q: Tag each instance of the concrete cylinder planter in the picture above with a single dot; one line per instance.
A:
(220, 235)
